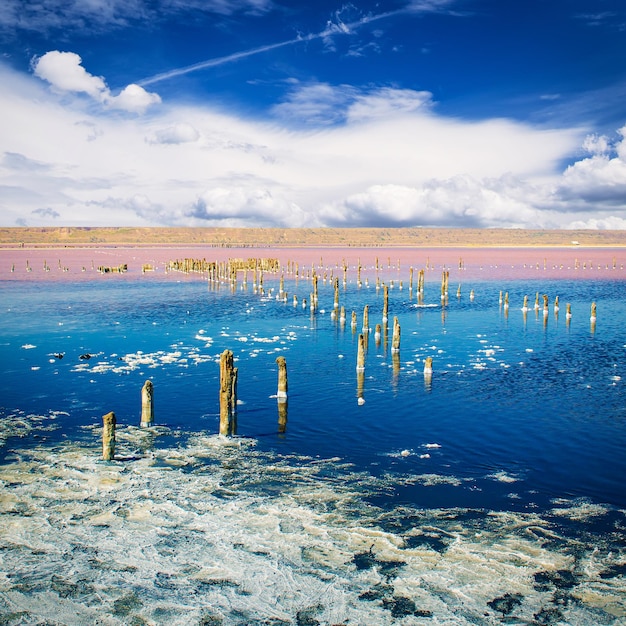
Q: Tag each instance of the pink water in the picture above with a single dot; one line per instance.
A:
(467, 263)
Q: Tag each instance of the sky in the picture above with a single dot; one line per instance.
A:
(286, 113)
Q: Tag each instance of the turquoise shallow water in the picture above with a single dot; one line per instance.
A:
(491, 492)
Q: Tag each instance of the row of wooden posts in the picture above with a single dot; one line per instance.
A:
(227, 400)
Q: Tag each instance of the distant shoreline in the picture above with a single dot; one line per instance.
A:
(163, 237)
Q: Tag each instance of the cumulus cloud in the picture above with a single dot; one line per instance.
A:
(239, 206)
(600, 178)
(65, 72)
(389, 159)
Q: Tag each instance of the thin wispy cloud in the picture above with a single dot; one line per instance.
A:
(334, 27)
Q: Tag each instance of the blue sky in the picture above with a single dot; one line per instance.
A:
(462, 113)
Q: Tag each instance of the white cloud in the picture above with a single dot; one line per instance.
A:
(390, 159)
(64, 71)
(387, 102)
(179, 133)
(600, 178)
(133, 98)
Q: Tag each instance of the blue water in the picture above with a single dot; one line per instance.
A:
(524, 413)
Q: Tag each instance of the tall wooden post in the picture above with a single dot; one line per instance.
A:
(147, 406)
(228, 394)
(395, 337)
(366, 319)
(281, 394)
(108, 436)
(360, 355)
(385, 304)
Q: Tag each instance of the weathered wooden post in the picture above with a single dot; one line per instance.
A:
(593, 317)
(281, 394)
(360, 355)
(108, 436)
(366, 319)
(360, 369)
(545, 304)
(353, 321)
(315, 290)
(385, 304)
(377, 334)
(228, 393)
(428, 367)
(336, 301)
(411, 278)
(342, 315)
(395, 337)
(147, 406)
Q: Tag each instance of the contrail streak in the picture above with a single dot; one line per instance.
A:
(334, 29)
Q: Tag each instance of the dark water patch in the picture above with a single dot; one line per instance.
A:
(506, 604)
(307, 617)
(401, 606)
(378, 592)
(367, 560)
(432, 540)
(126, 604)
(613, 571)
(559, 579)
(548, 616)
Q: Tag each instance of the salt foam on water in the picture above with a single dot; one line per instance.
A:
(215, 529)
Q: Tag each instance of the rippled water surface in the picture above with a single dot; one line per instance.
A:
(491, 492)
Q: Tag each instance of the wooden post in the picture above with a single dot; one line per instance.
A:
(360, 355)
(108, 436)
(545, 304)
(385, 304)
(366, 319)
(227, 392)
(395, 337)
(281, 394)
(353, 321)
(428, 367)
(411, 278)
(360, 369)
(147, 407)
(593, 316)
(377, 334)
